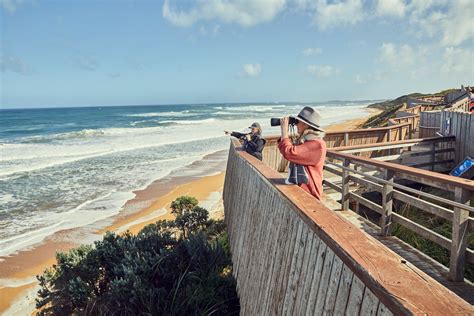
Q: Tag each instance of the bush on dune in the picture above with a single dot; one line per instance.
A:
(179, 267)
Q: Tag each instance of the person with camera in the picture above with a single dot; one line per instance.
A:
(306, 152)
(252, 142)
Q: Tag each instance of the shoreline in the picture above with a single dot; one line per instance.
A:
(203, 179)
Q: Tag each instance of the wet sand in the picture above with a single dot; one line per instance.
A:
(352, 124)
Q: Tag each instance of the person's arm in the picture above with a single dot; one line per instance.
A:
(284, 125)
(256, 146)
(308, 153)
(236, 134)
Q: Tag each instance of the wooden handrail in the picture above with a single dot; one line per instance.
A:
(430, 175)
(351, 131)
(405, 117)
(398, 142)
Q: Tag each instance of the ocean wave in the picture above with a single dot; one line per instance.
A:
(188, 122)
(85, 133)
(159, 114)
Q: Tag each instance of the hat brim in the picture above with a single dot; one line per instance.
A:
(307, 123)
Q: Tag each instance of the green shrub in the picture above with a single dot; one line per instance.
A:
(180, 267)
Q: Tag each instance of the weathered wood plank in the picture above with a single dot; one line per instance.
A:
(422, 231)
(324, 282)
(373, 206)
(383, 311)
(387, 203)
(295, 270)
(355, 297)
(370, 304)
(460, 235)
(333, 286)
(424, 205)
(310, 308)
(343, 291)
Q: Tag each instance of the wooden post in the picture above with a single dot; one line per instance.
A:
(410, 130)
(346, 139)
(432, 156)
(459, 241)
(400, 131)
(387, 204)
(389, 139)
(345, 186)
(357, 207)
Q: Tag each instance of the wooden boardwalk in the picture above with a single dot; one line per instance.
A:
(414, 257)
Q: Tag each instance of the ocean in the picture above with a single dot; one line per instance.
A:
(63, 168)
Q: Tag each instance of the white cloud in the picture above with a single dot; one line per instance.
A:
(251, 70)
(458, 25)
(458, 60)
(312, 51)
(401, 56)
(449, 20)
(340, 13)
(322, 71)
(10, 5)
(243, 12)
(391, 7)
(14, 64)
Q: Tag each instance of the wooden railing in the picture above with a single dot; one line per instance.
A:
(272, 157)
(417, 153)
(413, 120)
(461, 105)
(293, 256)
(359, 172)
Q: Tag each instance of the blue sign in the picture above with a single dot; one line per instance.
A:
(463, 167)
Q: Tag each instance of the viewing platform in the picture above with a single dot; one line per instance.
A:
(295, 255)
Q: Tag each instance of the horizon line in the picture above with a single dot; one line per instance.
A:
(177, 104)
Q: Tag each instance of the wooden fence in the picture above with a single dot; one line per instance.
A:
(294, 256)
(459, 124)
(357, 171)
(430, 124)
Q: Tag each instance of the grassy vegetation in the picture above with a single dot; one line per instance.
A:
(438, 225)
(389, 108)
(434, 223)
(179, 267)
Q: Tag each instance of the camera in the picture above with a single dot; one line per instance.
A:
(277, 121)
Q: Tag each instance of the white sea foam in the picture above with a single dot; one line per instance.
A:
(134, 147)
(189, 122)
(160, 114)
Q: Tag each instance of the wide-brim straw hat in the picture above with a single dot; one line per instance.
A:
(310, 116)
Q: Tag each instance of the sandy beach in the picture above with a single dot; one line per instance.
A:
(203, 179)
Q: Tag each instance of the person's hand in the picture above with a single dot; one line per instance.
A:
(248, 137)
(284, 123)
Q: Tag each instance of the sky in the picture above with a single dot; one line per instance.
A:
(127, 52)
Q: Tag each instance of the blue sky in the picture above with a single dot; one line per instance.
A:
(84, 53)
